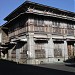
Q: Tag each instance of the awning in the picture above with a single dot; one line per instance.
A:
(7, 46)
(3, 47)
(70, 40)
(24, 40)
(41, 39)
(58, 39)
(17, 40)
(12, 42)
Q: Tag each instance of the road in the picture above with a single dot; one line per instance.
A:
(60, 66)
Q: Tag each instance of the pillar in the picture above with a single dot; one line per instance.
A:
(50, 51)
(31, 45)
(65, 50)
(50, 48)
(17, 53)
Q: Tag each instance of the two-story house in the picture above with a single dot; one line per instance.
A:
(40, 34)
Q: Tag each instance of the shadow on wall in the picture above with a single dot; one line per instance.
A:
(12, 68)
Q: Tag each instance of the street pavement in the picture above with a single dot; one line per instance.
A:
(69, 67)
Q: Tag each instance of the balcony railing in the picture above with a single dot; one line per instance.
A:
(41, 29)
(54, 30)
(62, 31)
(70, 31)
(58, 31)
(17, 32)
(44, 29)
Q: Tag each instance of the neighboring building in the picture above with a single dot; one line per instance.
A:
(40, 34)
(3, 39)
(0, 41)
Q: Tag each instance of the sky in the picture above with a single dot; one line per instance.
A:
(7, 6)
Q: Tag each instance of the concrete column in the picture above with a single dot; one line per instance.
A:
(50, 51)
(17, 53)
(65, 50)
(9, 54)
(50, 48)
(2, 55)
(46, 50)
(31, 45)
(5, 56)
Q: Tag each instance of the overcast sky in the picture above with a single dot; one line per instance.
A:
(7, 6)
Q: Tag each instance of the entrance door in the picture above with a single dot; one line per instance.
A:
(70, 46)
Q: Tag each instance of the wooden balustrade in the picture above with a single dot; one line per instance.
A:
(62, 31)
(17, 32)
(52, 30)
(70, 31)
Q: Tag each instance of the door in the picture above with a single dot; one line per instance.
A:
(70, 47)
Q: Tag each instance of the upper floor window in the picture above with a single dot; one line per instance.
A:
(39, 50)
(47, 22)
(39, 22)
(55, 23)
(70, 26)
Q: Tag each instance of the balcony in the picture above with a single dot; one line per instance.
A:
(62, 31)
(41, 29)
(17, 32)
(70, 32)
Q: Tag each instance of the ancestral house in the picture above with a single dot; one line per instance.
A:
(39, 34)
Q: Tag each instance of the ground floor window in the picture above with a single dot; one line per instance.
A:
(39, 50)
(39, 54)
(58, 47)
(23, 50)
(13, 54)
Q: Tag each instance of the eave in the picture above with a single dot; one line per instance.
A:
(6, 18)
(44, 7)
(4, 25)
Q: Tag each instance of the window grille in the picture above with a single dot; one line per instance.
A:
(39, 51)
(70, 29)
(58, 50)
